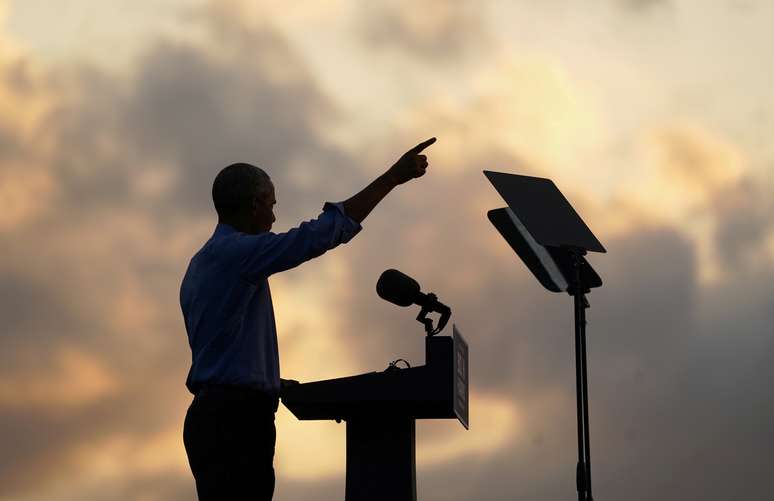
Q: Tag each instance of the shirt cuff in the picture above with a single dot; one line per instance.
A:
(351, 227)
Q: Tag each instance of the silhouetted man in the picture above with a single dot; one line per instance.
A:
(229, 432)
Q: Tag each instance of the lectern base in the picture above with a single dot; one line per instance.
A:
(381, 462)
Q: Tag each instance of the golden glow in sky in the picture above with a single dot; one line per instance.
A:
(654, 117)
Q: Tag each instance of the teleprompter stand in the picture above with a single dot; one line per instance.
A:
(548, 235)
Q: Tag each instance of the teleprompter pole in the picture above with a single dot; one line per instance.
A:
(586, 400)
(583, 471)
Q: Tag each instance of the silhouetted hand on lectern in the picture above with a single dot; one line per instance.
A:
(286, 383)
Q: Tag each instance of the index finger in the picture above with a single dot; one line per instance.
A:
(421, 146)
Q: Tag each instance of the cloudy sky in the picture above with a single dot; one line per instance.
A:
(654, 117)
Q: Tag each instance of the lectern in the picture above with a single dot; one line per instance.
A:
(542, 227)
(380, 409)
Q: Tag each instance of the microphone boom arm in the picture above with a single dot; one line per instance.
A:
(433, 305)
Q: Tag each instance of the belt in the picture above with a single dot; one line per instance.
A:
(238, 393)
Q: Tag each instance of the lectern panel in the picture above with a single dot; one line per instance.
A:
(436, 390)
(461, 391)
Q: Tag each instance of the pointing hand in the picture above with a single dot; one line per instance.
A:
(411, 164)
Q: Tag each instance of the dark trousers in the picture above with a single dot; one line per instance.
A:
(229, 437)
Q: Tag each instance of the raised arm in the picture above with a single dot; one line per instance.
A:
(264, 253)
(410, 165)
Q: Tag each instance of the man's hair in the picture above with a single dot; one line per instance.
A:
(236, 186)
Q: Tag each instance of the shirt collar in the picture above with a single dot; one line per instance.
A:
(224, 229)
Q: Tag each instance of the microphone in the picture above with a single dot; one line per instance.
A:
(402, 290)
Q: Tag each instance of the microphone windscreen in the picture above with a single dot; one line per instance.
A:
(397, 288)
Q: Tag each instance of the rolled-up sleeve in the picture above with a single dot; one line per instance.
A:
(349, 227)
(267, 253)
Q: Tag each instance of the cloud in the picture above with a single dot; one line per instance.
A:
(108, 189)
(76, 379)
(651, 347)
(25, 194)
(703, 182)
(110, 179)
(523, 113)
(698, 162)
(744, 222)
(437, 29)
(651, 350)
(643, 5)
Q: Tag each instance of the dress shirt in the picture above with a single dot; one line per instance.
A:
(226, 300)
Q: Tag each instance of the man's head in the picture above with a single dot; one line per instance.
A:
(243, 195)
